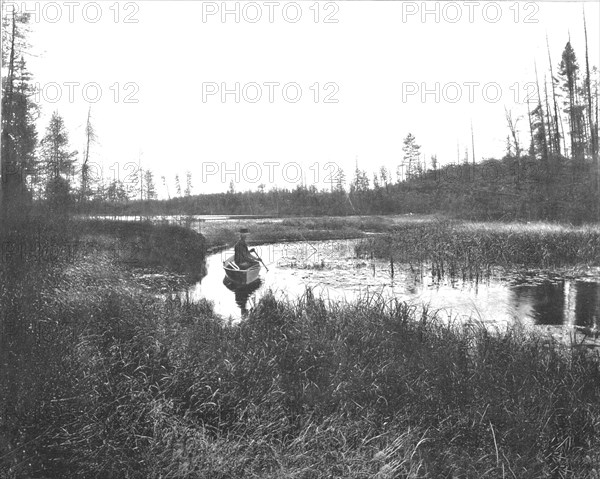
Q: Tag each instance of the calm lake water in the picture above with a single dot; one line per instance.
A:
(192, 221)
(332, 269)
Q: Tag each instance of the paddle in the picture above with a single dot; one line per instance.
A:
(260, 259)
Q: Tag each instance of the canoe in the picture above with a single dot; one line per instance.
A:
(240, 276)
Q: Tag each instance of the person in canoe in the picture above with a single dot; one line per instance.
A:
(242, 256)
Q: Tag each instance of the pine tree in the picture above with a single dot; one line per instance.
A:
(376, 184)
(434, 162)
(57, 160)
(57, 157)
(177, 185)
(411, 156)
(150, 188)
(384, 174)
(361, 181)
(188, 183)
(18, 136)
(133, 186)
(116, 191)
(539, 132)
(568, 71)
(340, 181)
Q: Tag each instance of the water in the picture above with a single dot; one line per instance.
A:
(333, 271)
(193, 221)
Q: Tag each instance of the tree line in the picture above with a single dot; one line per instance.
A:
(556, 176)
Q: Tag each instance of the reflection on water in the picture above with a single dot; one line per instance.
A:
(242, 293)
(333, 271)
(563, 302)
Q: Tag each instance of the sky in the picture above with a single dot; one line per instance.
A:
(278, 93)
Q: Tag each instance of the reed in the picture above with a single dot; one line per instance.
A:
(471, 249)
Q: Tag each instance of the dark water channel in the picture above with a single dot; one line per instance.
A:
(333, 271)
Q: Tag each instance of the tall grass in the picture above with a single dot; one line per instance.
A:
(309, 389)
(302, 228)
(106, 380)
(55, 278)
(470, 249)
(143, 244)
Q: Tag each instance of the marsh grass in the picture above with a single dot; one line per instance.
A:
(149, 388)
(119, 383)
(469, 250)
(143, 244)
(220, 234)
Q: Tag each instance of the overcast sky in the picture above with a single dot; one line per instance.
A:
(360, 68)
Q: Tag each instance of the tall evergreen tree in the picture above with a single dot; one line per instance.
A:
(411, 154)
(58, 162)
(340, 180)
(19, 112)
(360, 182)
(116, 191)
(188, 183)
(376, 184)
(57, 157)
(177, 186)
(150, 187)
(434, 162)
(385, 176)
(568, 71)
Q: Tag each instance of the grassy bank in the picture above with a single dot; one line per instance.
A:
(220, 234)
(467, 249)
(149, 389)
(106, 380)
(144, 245)
(51, 273)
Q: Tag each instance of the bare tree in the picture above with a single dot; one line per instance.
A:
(555, 135)
(164, 182)
(593, 127)
(90, 138)
(512, 126)
(473, 143)
(542, 131)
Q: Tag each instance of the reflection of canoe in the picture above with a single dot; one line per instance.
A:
(242, 292)
(240, 276)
